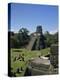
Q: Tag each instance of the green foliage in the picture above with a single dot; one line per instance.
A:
(51, 38)
(13, 42)
(23, 36)
(19, 39)
(27, 56)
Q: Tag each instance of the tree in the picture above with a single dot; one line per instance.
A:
(56, 37)
(47, 40)
(14, 42)
(51, 38)
(19, 39)
(23, 36)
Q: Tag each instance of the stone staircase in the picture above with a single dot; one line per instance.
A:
(31, 43)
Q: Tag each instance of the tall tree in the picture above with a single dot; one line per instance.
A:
(23, 36)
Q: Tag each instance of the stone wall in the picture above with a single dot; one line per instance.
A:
(54, 55)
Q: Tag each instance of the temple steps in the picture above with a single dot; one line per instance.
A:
(31, 43)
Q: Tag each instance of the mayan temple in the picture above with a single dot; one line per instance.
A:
(36, 40)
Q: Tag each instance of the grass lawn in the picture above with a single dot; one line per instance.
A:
(17, 63)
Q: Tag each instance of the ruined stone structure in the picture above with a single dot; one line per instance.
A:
(54, 55)
(37, 40)
(43, 65)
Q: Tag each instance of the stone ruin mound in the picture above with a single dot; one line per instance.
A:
(43, 65)
(36, 40)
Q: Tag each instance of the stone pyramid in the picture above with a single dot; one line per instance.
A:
(36, 40)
